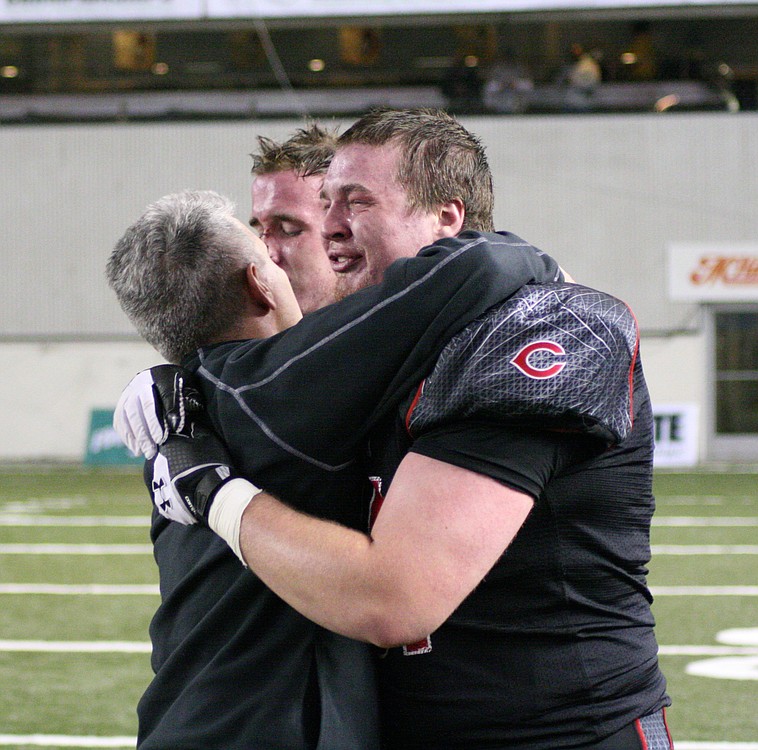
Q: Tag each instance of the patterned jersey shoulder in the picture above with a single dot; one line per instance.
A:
(558, 355)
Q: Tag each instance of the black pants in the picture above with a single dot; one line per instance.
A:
(648, 733)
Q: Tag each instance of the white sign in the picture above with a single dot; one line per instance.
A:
(55, 11)
(676, 434)
(713, 272)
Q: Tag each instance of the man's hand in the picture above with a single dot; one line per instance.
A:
(186, 473)
(156, 403)
(189, 473)
(191, 481)
(161, 414)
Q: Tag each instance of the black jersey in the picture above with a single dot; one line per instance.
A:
(235, 667)
(555, 648)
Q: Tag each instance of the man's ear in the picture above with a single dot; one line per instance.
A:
(258, 290)
(450, 218)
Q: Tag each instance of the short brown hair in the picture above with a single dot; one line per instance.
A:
(441, 160)
(308, 151)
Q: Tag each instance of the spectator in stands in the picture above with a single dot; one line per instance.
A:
(582, 78)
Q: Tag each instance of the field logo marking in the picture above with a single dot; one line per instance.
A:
(730, 667)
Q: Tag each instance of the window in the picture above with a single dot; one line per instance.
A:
(736, 372)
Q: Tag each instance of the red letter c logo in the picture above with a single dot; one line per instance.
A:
(521, 360)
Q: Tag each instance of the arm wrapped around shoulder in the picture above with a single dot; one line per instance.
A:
(558, 356)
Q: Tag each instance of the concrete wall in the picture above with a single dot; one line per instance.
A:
(49, 389)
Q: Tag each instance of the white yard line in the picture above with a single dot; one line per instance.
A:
(663, 500)
(28, 519)
(708, 650)
(76, 549)
(68, 589)
(77, 647)
(22, 519)
(146, 549)
(710, 500)
(704, 590)
(144, 647)
(694, 521)
(705, 549)
(126, 589)
(65, 740)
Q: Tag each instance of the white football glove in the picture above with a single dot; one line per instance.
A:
(156, 401)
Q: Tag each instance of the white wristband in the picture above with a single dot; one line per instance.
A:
(225, 516)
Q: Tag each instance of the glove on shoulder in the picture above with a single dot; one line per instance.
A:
(157, 401)
(162, 414)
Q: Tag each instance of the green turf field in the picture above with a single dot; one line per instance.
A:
(74, 659)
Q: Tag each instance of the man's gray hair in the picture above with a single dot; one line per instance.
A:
(179, 272)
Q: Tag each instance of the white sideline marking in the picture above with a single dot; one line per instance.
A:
(26, 519)
(691, 499)
(125, 589)
(63, 740)
(704, 590)
(95, 589)
(66, 740)
(19, 519)
(75, 549)
(78, 647)
(144, 647)
(704, 521)
(149, 589)
(708, 650)
(705, 549)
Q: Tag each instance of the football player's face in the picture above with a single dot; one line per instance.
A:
(287, 215)
(367, 224)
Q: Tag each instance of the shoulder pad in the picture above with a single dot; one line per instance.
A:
(553, 355)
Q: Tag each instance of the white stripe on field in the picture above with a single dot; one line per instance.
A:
(75, 549)
(705, 549)
(704, 590)
(65, 740)
(149, 589)
(708, 650)
(146, 549)
(95, 589)
(144, 647)
(19, 519)
(30, 520)
(692, 499)
(78, 647)
(704, 521)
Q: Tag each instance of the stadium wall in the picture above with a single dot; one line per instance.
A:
(603, 194)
